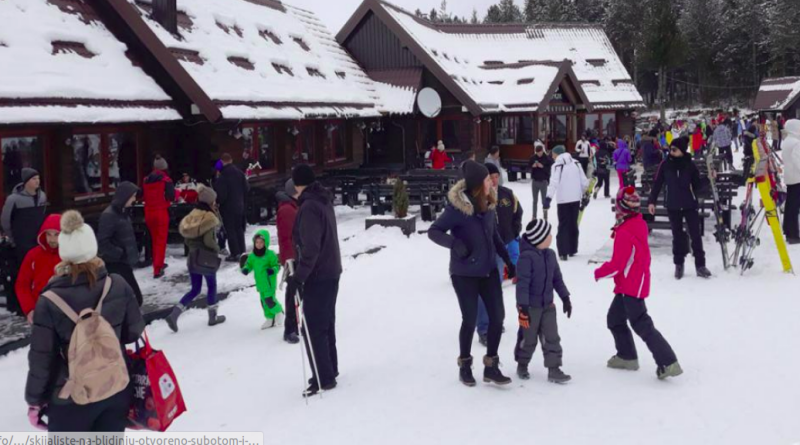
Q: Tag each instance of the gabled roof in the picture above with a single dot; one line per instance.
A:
(60, 63)
(777, 94)
(461, 57)
(263, 59)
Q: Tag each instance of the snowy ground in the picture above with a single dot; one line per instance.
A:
(736, 338)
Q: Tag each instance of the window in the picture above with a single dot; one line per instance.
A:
(560, 127)
(305, 144)
(526, 130)
(593, 124)
(335, 144)
(258, 148)
(457, 134)
(609, 125)
(101, 160)
(18, 153)
(513, 130)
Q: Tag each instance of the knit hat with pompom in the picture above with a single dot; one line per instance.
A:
(76, 242)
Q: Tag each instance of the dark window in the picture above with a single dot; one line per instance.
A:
(18, 153)
(305, 144)
(258, 149)
(560, 127)
(101, 161)
(335, 143)
(121, 151)
(87, 157)
(609, 125)
(526, 130)
(457, 134)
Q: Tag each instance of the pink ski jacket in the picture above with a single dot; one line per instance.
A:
(630, 264)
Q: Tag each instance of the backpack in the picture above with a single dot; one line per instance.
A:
(97, 368)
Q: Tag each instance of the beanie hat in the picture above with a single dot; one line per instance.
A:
(160, 163)
(493, 170)
(537, 231)
(218, 166)
(28, 174)
(290, 188)
(681, 143)
(559, 150)
(474, 174)
(206, 195)
(627, 203)
(303, 175)
(76, 242)
(440, 146)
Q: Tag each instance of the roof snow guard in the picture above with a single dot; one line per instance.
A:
(264, 59)
(777, 94)
(482, 64)
(62, 65)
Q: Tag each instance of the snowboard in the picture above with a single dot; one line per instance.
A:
(587, 198)
(721, 232)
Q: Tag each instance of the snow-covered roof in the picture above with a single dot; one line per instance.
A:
(263, 59)
(59, 63)
(504, 68)
(777, 94)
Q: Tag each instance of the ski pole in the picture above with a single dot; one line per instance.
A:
(290, 271)
(303, 327)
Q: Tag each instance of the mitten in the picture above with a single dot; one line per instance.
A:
(243, 260)
(524, 316)
(270, 272)
(568, 307)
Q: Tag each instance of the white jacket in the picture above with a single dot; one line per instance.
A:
(582, 147)
(791, 152)
(568, 182)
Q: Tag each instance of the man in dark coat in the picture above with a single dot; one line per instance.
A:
(232, 188)
(116, 238)
(317, 271)
(287, 213)
(681, 178)
(540, 164)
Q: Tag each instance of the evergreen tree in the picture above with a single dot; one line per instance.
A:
(474, 20)
(493, 15)
(433, 16)
(419, 13)
(510, 12)
(557, 11)
(592, 11)
(662, 43)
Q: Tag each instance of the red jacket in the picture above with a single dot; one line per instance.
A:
(287, 212)
(159, 191)
(439, 159)
(37, 267)
(630, 264)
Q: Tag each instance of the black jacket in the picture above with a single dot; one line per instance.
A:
(651, 153)
(509, 215)
(52, 330)
(603, 157)
(316, 237)
(541, 173)
(115, 236)
(231, 188)
(682, 181)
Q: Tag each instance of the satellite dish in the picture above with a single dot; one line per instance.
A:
(429, 102)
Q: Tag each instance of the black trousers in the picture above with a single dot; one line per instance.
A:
(234, 229)
(790, 219)
(624, 310)
(603, 179)
(110, 415)
(679, 250)
(727, 155)
(126, 272)
(319, 308)
(584, 164)
(290, 326)
(468, 290)
(568, 232)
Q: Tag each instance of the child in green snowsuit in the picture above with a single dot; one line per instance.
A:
(265, 265)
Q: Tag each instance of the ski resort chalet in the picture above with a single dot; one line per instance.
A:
(92, 90)
(779, 95)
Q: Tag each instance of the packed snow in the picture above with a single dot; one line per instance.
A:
(398, 320)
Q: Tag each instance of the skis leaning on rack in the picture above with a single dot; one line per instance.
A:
(721, 231)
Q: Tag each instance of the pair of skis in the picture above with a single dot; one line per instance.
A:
(721, 232)
(587, 197)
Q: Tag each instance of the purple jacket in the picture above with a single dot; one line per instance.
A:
(622, 158)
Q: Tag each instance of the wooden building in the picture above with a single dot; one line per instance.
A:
(500, 84)
(91, 90)
(779, 95)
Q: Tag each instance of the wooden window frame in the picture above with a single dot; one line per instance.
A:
(254, 148)
(105, 132)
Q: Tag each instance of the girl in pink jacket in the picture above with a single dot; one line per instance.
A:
(630, 268)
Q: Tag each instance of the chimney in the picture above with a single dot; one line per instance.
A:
(165, 12)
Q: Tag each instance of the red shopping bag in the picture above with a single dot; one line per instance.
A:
(157, 399)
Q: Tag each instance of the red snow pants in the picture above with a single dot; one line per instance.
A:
(158, 224)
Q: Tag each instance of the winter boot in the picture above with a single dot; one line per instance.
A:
(522, 371)
(793, 241)
(483, 339)
(213, 318)
(268, 323)
(556, 375)
(703, 272)
(672, 370)
(620, 363)
(678, 271)
(279, 318)
(491, 371)
(291, 338)
(563, 257)
(314, 389)
(172, 318)
(465, 371)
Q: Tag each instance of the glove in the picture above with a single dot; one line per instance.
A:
(270, 272)
(568, 307)
(512, 271)
(35, 418)
(243, 260)
(245, 272)
(547, 202)
(524, 317)
(460, 249)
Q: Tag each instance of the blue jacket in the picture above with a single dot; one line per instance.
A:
(478, 232)
(538, 276)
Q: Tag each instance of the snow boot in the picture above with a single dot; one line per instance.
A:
(703, 272)
(291, 338)
(465, 371)
(483, 339)
(678, 271)
(620, 363)
(279, 318)
(522, 371)
(556, 375)
(172, 318)
(491, 371)
(672, 370)
(268, 323)
(314, 389)
(792, 241)
(213, 318)
(563, 257)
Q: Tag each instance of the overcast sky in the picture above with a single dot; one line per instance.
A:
(336, 12)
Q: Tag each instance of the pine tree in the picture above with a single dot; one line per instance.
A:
(493, 15)
(592, 11)
(400, 199)
(662, 44)
(510, 12)
(623, 24)
(433, 16)
(557, 11)
(419, 13)
(474, 20)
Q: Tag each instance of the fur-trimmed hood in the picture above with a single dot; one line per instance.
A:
(197, 223)
(460, 200)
